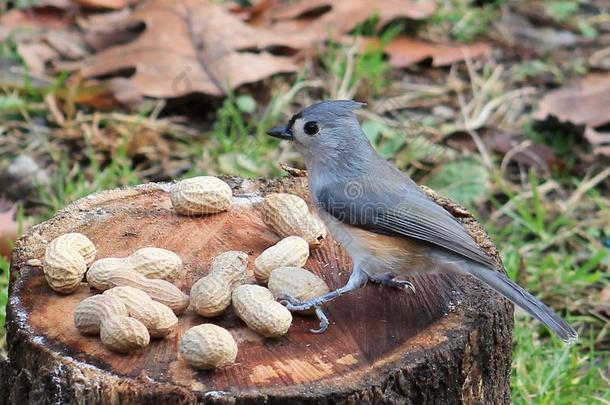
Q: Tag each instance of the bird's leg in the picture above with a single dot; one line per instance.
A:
(356, 280)
(389, 280)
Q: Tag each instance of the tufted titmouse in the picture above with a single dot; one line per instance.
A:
(388, 226)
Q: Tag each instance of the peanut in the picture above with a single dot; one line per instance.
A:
(297, 283)
(211, 295)
(231, 266)
(149, 261)
(123, 334)
(201, 195)
(288, 215)
(159, 319)
(256, 306)
(208, 346)
(90, 312)
(107, 316)
(159, 290)
(290, 251)
(65, 261)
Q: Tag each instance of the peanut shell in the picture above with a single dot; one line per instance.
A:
(123, 334)
(288, 215)
(256, 306)
(291, 251)
(159, 290)
(201, 195)
(90, 312)
(208, 346)
(211, 295)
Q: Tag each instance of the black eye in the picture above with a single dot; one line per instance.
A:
(311, 128)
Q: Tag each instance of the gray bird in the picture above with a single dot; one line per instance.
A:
(388, 226)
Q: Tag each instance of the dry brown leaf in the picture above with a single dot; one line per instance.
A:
(599, 140)
(345, 15)
(37, 18)
(108, 4)
(585, 101)
(404, 51)
(191, 46)
(317, 20)
(9, 228)
(517, 148)
(104, 30)
(36, 55)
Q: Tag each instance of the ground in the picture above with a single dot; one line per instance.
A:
(470, 130)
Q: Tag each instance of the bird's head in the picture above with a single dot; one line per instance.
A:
(324, 131)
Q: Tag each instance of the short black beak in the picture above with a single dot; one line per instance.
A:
(281, 132)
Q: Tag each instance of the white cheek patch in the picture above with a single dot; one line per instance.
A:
(297, 129)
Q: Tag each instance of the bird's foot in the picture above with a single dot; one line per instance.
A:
(294, 305)
(390, 281)
(323, 321)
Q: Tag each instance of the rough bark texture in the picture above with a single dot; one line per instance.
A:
(447, 343)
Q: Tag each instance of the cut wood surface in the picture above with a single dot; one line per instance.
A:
(449, 342)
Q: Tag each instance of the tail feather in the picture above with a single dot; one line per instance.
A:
(505, 286)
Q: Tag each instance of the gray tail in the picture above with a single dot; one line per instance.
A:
(505, 286)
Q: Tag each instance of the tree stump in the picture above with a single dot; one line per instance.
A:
(449, 342)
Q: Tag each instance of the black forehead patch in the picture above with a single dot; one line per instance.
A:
(293, 119)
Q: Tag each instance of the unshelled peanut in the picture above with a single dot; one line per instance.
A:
(290, 251)
(208, 346)
(159, 290)
(288, 215)
(211, 295)
(107, 316)
(159, 319)
(201, 195)
(297, 283)
(256, 306)
(90, 312)
(65, 261)
(151, 262)
(124, 334)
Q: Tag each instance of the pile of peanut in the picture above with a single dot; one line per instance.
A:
(139, 301)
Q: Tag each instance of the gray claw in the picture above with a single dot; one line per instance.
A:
(294, 305)
(323, 321)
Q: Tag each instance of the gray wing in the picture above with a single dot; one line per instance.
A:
(405, 212)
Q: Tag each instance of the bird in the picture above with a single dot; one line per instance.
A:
(389, 227)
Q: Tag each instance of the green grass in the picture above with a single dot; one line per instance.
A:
(550, 372)
(73, 180)
(462, 21)
(237, 143)
(558, 256)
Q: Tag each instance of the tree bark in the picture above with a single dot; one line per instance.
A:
(447, 343)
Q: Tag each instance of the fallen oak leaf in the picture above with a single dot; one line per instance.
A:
(517, 148)
(345, 15)
(584, 101)
(190, 46)
(35, 18)
(599, 140)
(104, 4)
(35, 55)
(404, 51)
(320, 20)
